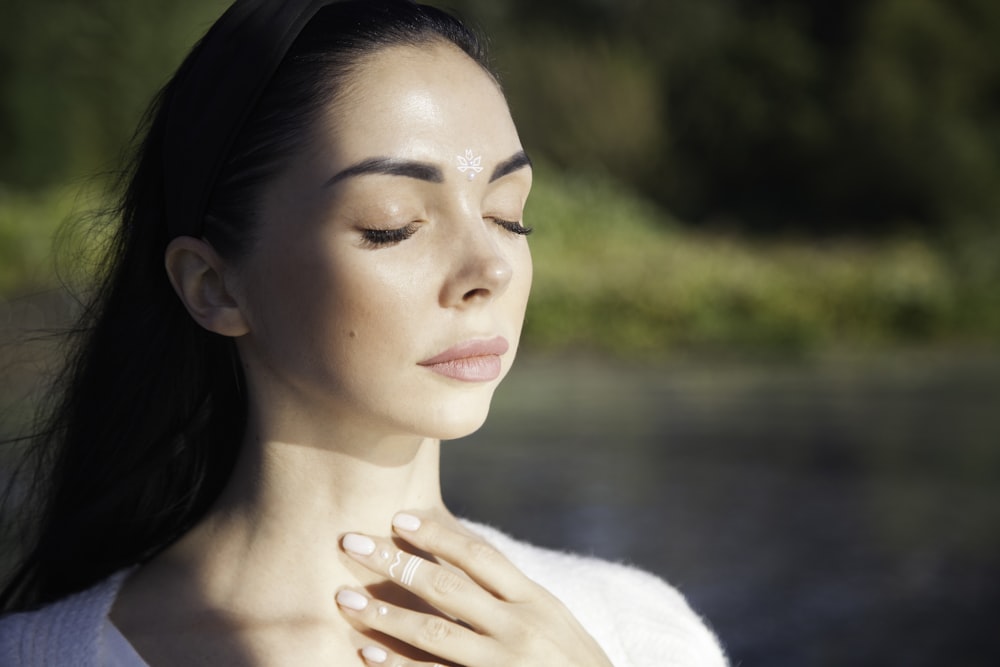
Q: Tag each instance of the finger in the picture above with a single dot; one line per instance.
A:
(433, 634)
(473, 555)
(444, 589)
(376, 655)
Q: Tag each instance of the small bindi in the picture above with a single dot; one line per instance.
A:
(470, 163)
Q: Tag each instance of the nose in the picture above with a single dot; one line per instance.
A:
(480, 271)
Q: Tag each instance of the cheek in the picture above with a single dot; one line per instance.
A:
(528, 268)
(366, 312)
(289, 287)
(378, 300)
(520, 286)
(294, 304)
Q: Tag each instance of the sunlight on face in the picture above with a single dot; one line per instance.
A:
(388, 285)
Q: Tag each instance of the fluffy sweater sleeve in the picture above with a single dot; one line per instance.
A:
(637, 618)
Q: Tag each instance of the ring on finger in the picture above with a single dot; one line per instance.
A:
(409, 570)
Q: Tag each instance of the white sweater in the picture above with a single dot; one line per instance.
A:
(638, 619)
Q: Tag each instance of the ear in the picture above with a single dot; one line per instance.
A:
(199, 277)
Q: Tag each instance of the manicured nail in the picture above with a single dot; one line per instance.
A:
(374, 654)
(406, 522)
(359, 544)
(352, 600)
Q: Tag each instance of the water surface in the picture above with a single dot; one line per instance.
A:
(832, 512)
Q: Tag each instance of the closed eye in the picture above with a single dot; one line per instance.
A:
(513, 226)
(377, 238)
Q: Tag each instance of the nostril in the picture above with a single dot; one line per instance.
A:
(481, 274)
(478, 293)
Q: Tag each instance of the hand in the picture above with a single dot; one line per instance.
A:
(492, 615)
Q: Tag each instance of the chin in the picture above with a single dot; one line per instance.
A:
(460, 431)
(458, 420)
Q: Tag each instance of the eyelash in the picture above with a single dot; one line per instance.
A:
(376, 238)
(513, 226)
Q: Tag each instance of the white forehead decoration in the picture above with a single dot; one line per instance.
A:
(469, 163)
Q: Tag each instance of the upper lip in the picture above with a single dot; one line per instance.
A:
(470, 348)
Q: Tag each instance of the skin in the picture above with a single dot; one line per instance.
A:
(345, 424)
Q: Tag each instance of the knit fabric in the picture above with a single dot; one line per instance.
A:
(638, 619)
(67, 632)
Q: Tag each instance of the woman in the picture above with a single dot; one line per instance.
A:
(247, 468)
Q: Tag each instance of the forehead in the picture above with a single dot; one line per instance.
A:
(430, 101)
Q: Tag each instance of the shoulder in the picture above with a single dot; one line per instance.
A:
(65, 632)
(636, 617)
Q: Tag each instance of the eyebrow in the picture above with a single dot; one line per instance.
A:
(510, 165)
(421, 171)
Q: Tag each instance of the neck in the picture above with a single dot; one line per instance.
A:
(348, 486)
(272, 540)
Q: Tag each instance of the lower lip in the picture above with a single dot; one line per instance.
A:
(469, 369)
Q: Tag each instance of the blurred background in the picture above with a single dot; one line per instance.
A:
(762, 357)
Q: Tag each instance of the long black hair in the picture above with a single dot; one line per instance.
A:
(149, 411)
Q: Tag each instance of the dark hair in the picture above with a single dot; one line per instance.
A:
(149, 413)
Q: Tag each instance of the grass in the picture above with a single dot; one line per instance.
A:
(613, 272)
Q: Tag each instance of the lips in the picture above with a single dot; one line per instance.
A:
(470, 361)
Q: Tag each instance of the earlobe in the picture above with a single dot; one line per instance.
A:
(198, 275)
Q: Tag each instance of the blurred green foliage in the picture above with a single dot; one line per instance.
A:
(763, 114)
(612, 273)
(674, 139)
(28, 225)
(867, 115)
(76, 76)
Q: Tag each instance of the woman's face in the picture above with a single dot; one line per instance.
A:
(388, 284)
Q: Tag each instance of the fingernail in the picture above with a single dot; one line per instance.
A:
(359, 544)
(374, 654)
(405, 521)
(352, 600)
